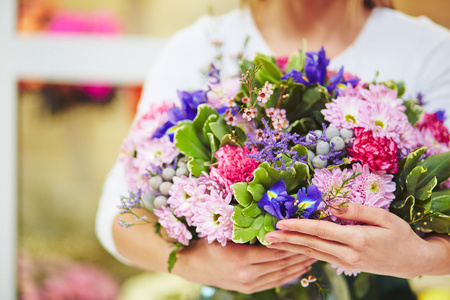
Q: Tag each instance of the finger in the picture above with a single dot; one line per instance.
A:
(309, 241)
(313, 253)
(273, 266)
(322, 229)
(277, 279)
(253, 254)
(364, 214)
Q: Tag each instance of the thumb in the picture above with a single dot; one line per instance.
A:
(364, 214)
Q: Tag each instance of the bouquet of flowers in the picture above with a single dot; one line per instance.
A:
(287, 139)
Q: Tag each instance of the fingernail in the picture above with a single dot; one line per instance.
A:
(270, 239)
(280, 226)
(272, 246)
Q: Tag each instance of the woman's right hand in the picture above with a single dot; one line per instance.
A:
(243, 268)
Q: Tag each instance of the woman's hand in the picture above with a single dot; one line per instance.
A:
(386, 245)
(244, 268)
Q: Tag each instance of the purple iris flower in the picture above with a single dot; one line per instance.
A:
(296, 76)
(316, 66)
(277, 202)
(338, 79)
(315, 69)
(308, 200)
(188, 111)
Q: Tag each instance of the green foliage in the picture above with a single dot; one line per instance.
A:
(396, 85)
(269, 70)
(413, 111)
(418, 200)
(297, 59)
(249, 222)
(202, 137)
(173, 255)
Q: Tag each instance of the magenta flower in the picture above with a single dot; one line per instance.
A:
(379, 153)
(233, 165)
(433, 134)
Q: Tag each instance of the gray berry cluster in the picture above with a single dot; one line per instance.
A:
(160, 184)
(340, 138)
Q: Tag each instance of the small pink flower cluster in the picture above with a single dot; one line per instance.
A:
(278, 118)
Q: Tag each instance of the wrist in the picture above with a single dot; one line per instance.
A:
(437, 253)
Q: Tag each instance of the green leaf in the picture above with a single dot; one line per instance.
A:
(241, 193)
(440, 202)
(239, 219)
(251, 211)
(262, 177)
(257, 190)
(296, 178)
(413, 111)
(173, 256)
(213, 144)
(268, 71)
(407, 164)
(438, 166)
(269, 222)
(413, 177)
(243, 235)
(188, 142)
(206, 129)
(258, 223)
(439, 223)
(425, 192)
(220, 130)
(196, 166)
(301, 150)
(297, 59)
(229, 139)
(404, 208)
(261, 235)
(396, 85)
(203, 113)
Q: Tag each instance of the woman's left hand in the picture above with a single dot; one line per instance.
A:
(386, 245)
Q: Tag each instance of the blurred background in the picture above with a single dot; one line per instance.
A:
(69, 133)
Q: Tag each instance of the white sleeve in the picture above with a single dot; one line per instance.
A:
(177, 68)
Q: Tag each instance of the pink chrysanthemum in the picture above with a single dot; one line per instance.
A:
(427, 139)
(384, 120)
(375, 189)
(382, 94)
(212, 182)
(184, 193)
(174, 227)
(155, 153)
(331, 185)
(213, 218)
(344, 112)
(351, 91)
(233, 165)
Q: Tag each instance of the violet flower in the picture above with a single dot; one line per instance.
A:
(308, 200)
(188, 111)
(277, 202)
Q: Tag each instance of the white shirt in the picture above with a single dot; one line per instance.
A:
(398, 46)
